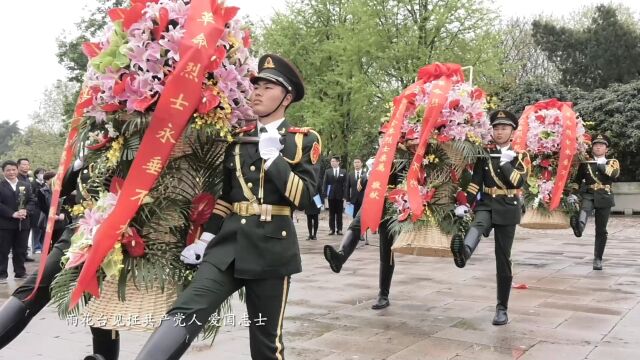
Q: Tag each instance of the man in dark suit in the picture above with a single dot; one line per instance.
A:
(333, 189)
(497, 179)
(16, 202)
(356, 182)
(24, 166)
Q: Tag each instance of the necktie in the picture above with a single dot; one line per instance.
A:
(335, 172)
(357, 175)
(263, 130)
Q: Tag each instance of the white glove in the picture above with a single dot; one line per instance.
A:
(572, 199)
(461, 210)
(602, 161)
(269, 146)
(507, 156)
(77, 165)
(193, 253)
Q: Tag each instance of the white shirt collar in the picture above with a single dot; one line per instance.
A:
(271, 127)
(504, 148)
(13, 184)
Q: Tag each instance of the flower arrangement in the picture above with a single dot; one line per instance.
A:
(457, 139)
(129, 67)
(135, 56)
(548, 127)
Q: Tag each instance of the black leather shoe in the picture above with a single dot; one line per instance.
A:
(332, 233)
(334, 257)
(94, 357)
(501, 317)
(20, 276)
(597, 264)
(575, 226)
(383, 302)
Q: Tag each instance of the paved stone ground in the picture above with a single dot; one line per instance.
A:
(438, 311)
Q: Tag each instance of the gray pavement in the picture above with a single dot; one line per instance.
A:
(437, 310)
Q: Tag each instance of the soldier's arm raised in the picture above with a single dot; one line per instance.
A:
(517, 174)
(298, 181)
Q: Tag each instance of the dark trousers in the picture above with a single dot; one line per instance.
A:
(356, 208)
(15, 241)
(503, 235)
(387, 263)
(312, 224)
(601, 220)
(51, 269)
(336, 208)
(266, 300)
(105, 342)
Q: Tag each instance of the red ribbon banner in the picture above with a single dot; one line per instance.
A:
(376, 189)
(85, 99)
(181, 96)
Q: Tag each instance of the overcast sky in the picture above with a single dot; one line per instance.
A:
(29, 65)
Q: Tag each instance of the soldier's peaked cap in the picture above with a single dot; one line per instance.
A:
(600, 138)
(281, 71)
(504, 117)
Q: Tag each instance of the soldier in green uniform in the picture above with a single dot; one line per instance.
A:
(251, 237)
(593, 181)
(493, 189)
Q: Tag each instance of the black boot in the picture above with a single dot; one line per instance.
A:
(597, 264)
(168, 342)
(504, 289)
(386, 274)
(463, 249)
(94, 357)
(106, 344)
(598, 249)
(14, 317)
(337, 258)
(578, 223)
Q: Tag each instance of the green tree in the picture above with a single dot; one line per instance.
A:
(42, 148)
(531, 91)
(603, 52)
(54, 109)
(70, 53)
(357, 55)
(615, 111)
(8, 130)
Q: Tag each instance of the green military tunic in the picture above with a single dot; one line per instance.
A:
(490, 176)
(263, 249)
(594, 182)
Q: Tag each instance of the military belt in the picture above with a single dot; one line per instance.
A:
(493, 191)
(265, 211)
(600, 186)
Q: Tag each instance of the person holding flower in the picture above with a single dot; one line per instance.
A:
(593, 182)
(16, 202)
(493, 190)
